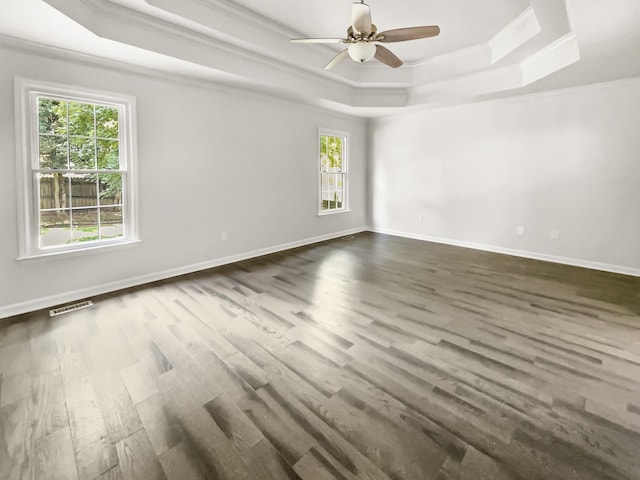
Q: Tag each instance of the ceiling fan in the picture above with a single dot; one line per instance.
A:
(364, 40)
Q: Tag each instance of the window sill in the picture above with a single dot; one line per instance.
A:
(42, 256)
(334, 212)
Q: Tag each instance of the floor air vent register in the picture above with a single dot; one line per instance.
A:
(70, 308)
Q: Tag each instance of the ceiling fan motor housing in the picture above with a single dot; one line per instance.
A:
(361, 18)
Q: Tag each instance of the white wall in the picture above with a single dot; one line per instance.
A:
(209, 161)
(566, 160)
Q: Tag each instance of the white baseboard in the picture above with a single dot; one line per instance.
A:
(576, 262)
(45, 302)
(72, 296)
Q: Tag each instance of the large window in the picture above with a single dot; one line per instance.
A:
(76, 169)
(333, 171)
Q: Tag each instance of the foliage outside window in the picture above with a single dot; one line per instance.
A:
(333, 172)
(79, 173)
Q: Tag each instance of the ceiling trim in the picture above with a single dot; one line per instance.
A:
(515, 34)
(418, 109)
(231, 19)
(219, 85)
(232, 9)
(461, 63)
(555, 56)
(212, 33)
(268, 39)
(121, 24)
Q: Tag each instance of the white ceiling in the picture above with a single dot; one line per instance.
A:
(487, 48)
(464, 23)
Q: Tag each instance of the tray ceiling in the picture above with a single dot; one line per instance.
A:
(487, 48)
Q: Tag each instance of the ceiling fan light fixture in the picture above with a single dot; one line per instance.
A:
(364, 42)
(362, 51)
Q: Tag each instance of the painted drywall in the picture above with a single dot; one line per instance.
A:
(471, 175)
(209, 160)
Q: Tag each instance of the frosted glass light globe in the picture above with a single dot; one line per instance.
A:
(362, 51)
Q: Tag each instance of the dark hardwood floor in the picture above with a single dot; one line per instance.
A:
(367, 357)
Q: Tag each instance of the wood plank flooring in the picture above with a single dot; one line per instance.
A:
(366, 357)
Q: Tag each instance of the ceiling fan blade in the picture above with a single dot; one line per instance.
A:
(361, 18)
(316, 40)
(336, 60)
(387, 57)
(404, 34)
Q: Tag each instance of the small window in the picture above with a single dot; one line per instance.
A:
(76, 169)
(333, 172)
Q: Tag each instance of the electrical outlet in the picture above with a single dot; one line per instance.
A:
(521, 230)
(554, 234)
(420, 219)
(224, 235)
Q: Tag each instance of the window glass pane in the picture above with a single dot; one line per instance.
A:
(54, 228)
(111, 225)
(335, 153)
(340, 198)
(54, 191)
(325, 200)
(85, 225)
(53, 152)
(82, 153)
(81, 121)
(333, 183)
(110, 185)
(325, 182)
(324, 155)
(52, 116)
(337, 156)
(84, 191)
(108, 154)
(331, 153)
(107, 122)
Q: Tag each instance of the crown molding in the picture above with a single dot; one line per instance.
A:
(219, 85)
(518, 32)
(235, 20)
(468, 87)
(268, 38)
(125, 25)
(461, 66)
(555, 56)
(212, 33)
(419, 109)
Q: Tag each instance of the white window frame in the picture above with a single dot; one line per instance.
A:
(27, 156)
(345, 170)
